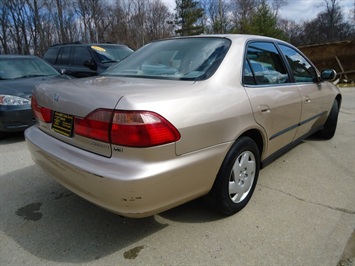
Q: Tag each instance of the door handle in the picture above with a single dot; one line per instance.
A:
(307, 99)
(264, 109)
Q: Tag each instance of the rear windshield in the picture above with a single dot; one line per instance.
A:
(182, 59)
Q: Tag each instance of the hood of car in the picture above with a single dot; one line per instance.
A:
(23, 87)
(81, 96)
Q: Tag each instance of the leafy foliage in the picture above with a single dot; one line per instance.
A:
(188, 15)
(264, 22)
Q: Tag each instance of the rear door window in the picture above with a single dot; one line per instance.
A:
(263, 65)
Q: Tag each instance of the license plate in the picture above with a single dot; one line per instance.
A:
(63, 124)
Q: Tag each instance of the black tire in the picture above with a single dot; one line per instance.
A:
(2, 135)
(237, 178)
(330, 125)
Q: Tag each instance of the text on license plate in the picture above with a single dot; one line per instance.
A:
(63, 124)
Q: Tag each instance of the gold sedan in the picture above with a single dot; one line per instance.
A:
(180, 119)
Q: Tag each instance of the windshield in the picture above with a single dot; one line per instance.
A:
(183, 59)
(111, 53)
(15, 68)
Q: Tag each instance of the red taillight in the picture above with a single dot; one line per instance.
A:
(127, 128)
(41, 113)
(141, 129)
(96, 125)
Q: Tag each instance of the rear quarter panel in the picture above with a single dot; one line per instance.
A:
(206, 113)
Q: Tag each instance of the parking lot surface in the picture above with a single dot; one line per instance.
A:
(302, 213)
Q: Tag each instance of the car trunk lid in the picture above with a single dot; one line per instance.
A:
(79, 98)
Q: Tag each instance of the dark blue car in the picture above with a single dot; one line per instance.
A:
(19, 74)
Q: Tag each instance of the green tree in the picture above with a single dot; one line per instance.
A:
(264, 22)
(188, 18)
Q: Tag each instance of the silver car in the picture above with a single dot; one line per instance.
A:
(180, 119)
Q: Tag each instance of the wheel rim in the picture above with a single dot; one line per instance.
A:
(242, 177)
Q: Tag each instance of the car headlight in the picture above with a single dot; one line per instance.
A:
(13, 100)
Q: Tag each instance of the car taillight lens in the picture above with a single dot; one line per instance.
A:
(141, 129)
(41, 113)
(96, 125)
(127, 128)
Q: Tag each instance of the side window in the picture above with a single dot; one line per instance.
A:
(248, 77)
(81, 55)
(51, 55)
(64, 56)
(302, 70)
(263, 65)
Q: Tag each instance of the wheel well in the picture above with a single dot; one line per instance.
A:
(257, 137)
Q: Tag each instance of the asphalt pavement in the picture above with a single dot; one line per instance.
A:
(302, 213)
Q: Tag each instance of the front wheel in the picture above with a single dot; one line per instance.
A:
(237, 178)
(331, 123)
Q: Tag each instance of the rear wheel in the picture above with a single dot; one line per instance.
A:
(237, 178)
(331, 124)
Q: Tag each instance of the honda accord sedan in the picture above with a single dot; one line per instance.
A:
(180, 119)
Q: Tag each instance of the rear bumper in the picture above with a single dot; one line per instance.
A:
(129, 187)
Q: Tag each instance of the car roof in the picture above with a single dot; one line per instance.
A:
(247, 37)
(87, 44)
(232, 37)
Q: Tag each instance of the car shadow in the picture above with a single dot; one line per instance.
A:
(52, 223)
(196, 211)
(12, 137)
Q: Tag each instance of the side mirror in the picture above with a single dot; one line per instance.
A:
(328, 74)
(90, 64)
